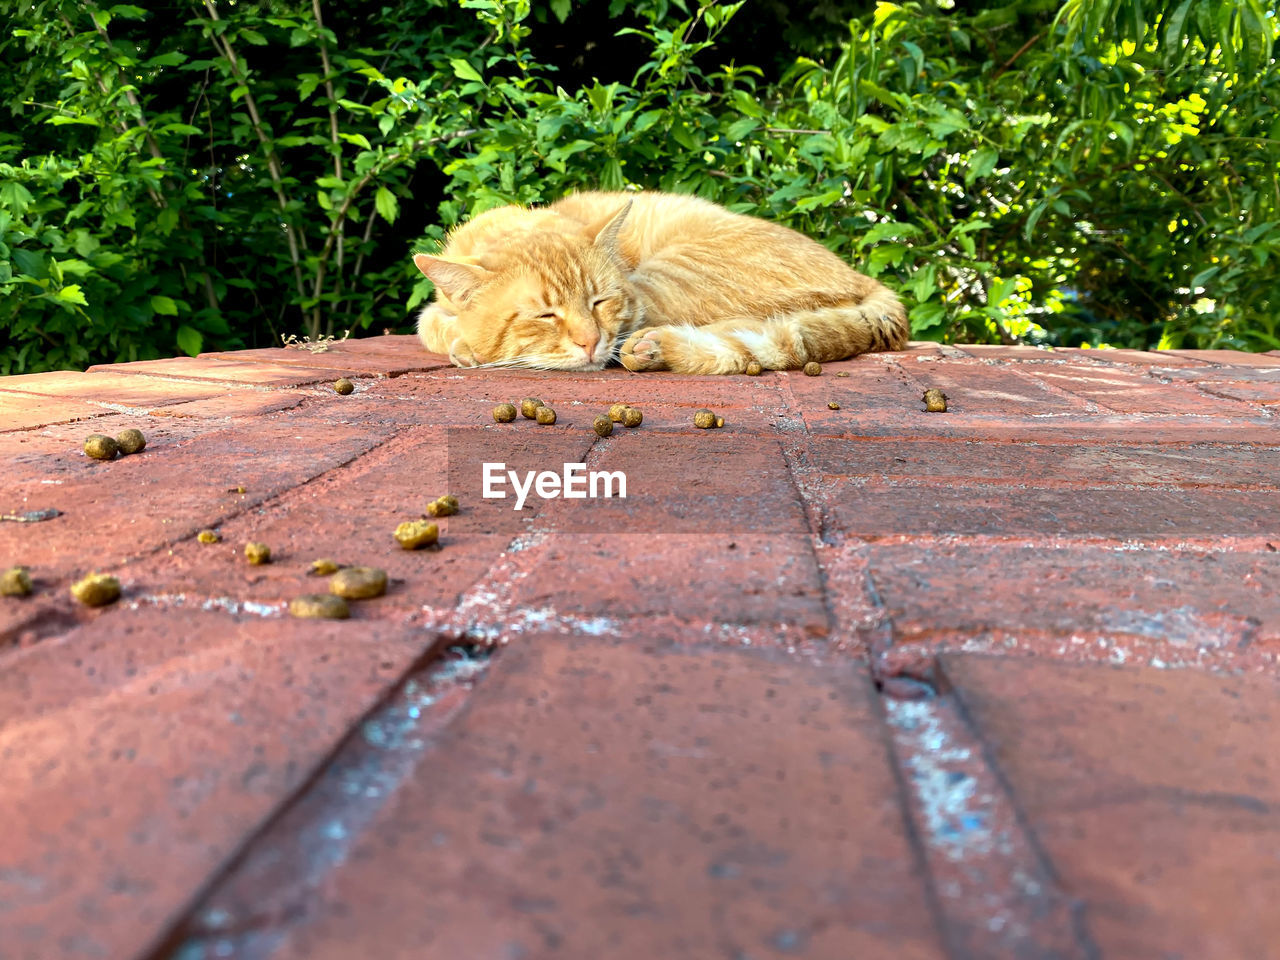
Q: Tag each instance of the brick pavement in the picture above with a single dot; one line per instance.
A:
(865, 682)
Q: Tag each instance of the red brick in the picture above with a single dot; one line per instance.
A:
(1221, 375)
(229, 371)
(1263, 394)
(1240, 357)
(385, 356)
(1139, 357)
(131, 506)
(1154, 793)
(109, 387)
(1049, 464)
(983, 388)
(239, 404)
(1005, 510)
(769, 580)
(615, 801)
(1180, 606)
(995, 351)
(22, 412)
(1128, 391)
(138, 757)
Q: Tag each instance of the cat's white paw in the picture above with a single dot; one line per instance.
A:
(461, 355)
(643, 351)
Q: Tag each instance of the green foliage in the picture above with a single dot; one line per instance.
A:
(214, 176)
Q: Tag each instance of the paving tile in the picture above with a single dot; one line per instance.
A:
(1002, 509)
(616, 801)
(1263, 394)
(1049, 464)
(384, 356)
(239, 404)
(138, 757)
(102, 386)
(228, 371)
(1139, 357)
(23, 412)
(724, 578)
(1240, 357)
(1129, 391)
(1182, 602)
(1156, 794)
(995, 351)
(985, 389)
(131, 506)
(1222, 374)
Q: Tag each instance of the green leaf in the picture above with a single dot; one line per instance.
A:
(190, 340)
(359, 139)
(561, 9)
(983, 162)
(925, 316)
(71, 294)
(465, 71)
(14, 196)
(254, 37)
(164, 306)
(387, 204)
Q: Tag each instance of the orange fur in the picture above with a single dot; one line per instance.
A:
(658, 281)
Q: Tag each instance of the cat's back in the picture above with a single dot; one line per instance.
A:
(501, 229)
(656, 220)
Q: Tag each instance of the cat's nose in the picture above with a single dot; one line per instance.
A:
(588, 340)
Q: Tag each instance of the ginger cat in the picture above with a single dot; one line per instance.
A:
(655, 280)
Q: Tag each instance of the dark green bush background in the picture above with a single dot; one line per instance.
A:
(204, 175)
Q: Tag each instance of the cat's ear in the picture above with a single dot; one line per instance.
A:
(457, 281)
(605, 231)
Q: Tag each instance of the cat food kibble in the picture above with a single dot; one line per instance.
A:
(324, 567)
(101, 447)
(935, 401)
(130, 441)
(545, 416)
(812, 369)
(344, 386)
(414, 534)
(359, 583)
(632, 417)
(719, 422)
(257, 553)
(832, 405)
(208, 536)
(754, 369)
(603, 426)
(843, 373)
(445, 506)
(704, 420)
(617, 412)
(504, 412)
(529, 407)
(319, 606)
(96, 590)
(15, 582)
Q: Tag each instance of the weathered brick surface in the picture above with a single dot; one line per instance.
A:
(1130, 391)
(1262, 394)
(615, 801)
(1155, 794)
(20, 411)
(1232, 357)
(209, 367)
(104, 385)
(139, 756)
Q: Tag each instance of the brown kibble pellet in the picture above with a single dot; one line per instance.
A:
(359, 583)
(812, 369)
(15, 582)
(719, 422)
(843, 373)
(130, 441)
(617, 412)
(344, 386)
(632, 417)
(603, 426)
(415, 534)
(101, 447)
(504, 413)
(96, 590)
(324, 567)
(545, 416)
(319, 606)
(529, 407)
(832, 405)
(209, 536)
(704, 419)
(935, 401)
(257, 553)
(445, 506)
(754, 369)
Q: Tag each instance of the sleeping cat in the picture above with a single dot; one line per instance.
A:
(655, 280)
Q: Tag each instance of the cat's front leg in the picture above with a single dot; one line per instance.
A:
(683, 348)
(643, 350)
